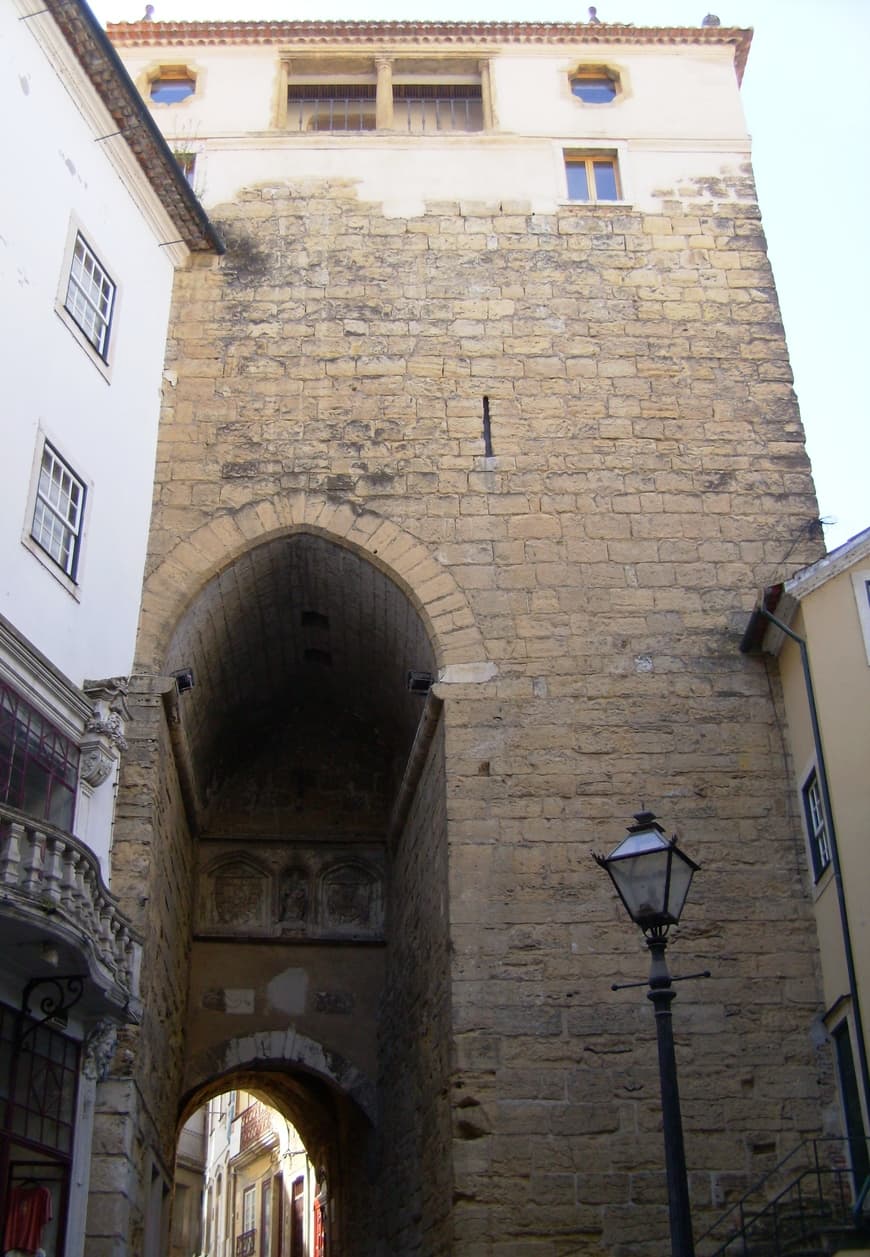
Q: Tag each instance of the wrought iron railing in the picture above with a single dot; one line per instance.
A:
(246, 1244)
(815, 1190)
(331, 107)
(53, 877)
(418, 108)
(256, 1122)
(421, 108)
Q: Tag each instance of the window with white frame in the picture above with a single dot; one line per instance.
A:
(861, 587)
(817, 825)
(90, 296)
(249, 1209)
(58, 511)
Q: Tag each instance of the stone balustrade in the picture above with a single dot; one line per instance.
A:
(48, 874)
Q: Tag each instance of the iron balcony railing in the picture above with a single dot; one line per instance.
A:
(256, 1122)
(246, 1244)
(819, 1189)
(331, 107)
(417, 108)
(53, 879)
(425, 108)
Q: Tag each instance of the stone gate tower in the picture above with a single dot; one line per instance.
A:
(475, 445)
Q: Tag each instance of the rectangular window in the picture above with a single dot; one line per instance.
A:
(58, 511)
(861, 587)
(817, 827)
(331, 107)
(394, 95)
(249, 1208)
(38, 765)
(428, 107)
(90, 296)
(591, 177)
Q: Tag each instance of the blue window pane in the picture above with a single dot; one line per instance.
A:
(594, 91)
(170, 91)
(605, 181)
(578, 184)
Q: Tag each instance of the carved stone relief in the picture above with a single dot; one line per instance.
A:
(239, 895)
(349, 897)
(291, 890)
(293, 896)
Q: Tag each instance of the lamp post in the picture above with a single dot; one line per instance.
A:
(652, 877)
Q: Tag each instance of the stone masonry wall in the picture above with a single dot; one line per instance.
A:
(415, 1029)
(647, 476)
(152, 875)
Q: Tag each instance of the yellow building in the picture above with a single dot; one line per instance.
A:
(817, 625)
(260, 1197)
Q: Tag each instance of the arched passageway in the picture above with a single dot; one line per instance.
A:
(299, 826)
(264, 1166)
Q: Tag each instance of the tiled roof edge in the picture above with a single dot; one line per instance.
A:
(128, 34)
(104, 68)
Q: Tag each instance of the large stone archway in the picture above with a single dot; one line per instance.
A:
(282, 840)
(331, 1107)
(188, 564)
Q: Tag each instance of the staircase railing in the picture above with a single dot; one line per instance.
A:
(818, 1195)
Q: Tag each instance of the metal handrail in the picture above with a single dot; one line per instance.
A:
(814, 1204)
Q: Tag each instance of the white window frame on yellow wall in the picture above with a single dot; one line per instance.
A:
(861, 587)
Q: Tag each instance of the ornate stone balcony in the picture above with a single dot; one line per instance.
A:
(52, 892)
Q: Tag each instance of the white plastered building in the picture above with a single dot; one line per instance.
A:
(95, 218)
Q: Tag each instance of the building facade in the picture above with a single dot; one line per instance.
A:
(472, 445)
(260, 1193)
(816, 625)
(90, 231)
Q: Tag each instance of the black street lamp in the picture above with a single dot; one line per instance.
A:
(652, 877)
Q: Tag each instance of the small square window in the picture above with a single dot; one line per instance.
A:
(90, 296)
(817, 825)
(595, 86)
(173, 84)
(591, 177)
(58, 512)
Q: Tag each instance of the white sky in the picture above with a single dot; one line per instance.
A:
(807, 100)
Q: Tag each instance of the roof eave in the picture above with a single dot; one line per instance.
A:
(128, 34)
(101, 63)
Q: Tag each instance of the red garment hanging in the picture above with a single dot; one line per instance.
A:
(29, 1210)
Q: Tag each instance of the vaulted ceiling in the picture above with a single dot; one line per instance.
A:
(298, 625)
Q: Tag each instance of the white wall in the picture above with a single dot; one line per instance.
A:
(679, 117)
(54, 169)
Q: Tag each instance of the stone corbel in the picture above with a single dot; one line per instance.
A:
(104, 738)
(99, 1050)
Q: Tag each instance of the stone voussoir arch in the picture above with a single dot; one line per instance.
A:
(278, 1051)
(176, 580)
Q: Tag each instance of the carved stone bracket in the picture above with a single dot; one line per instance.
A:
(99, 1050)
(104, 732)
